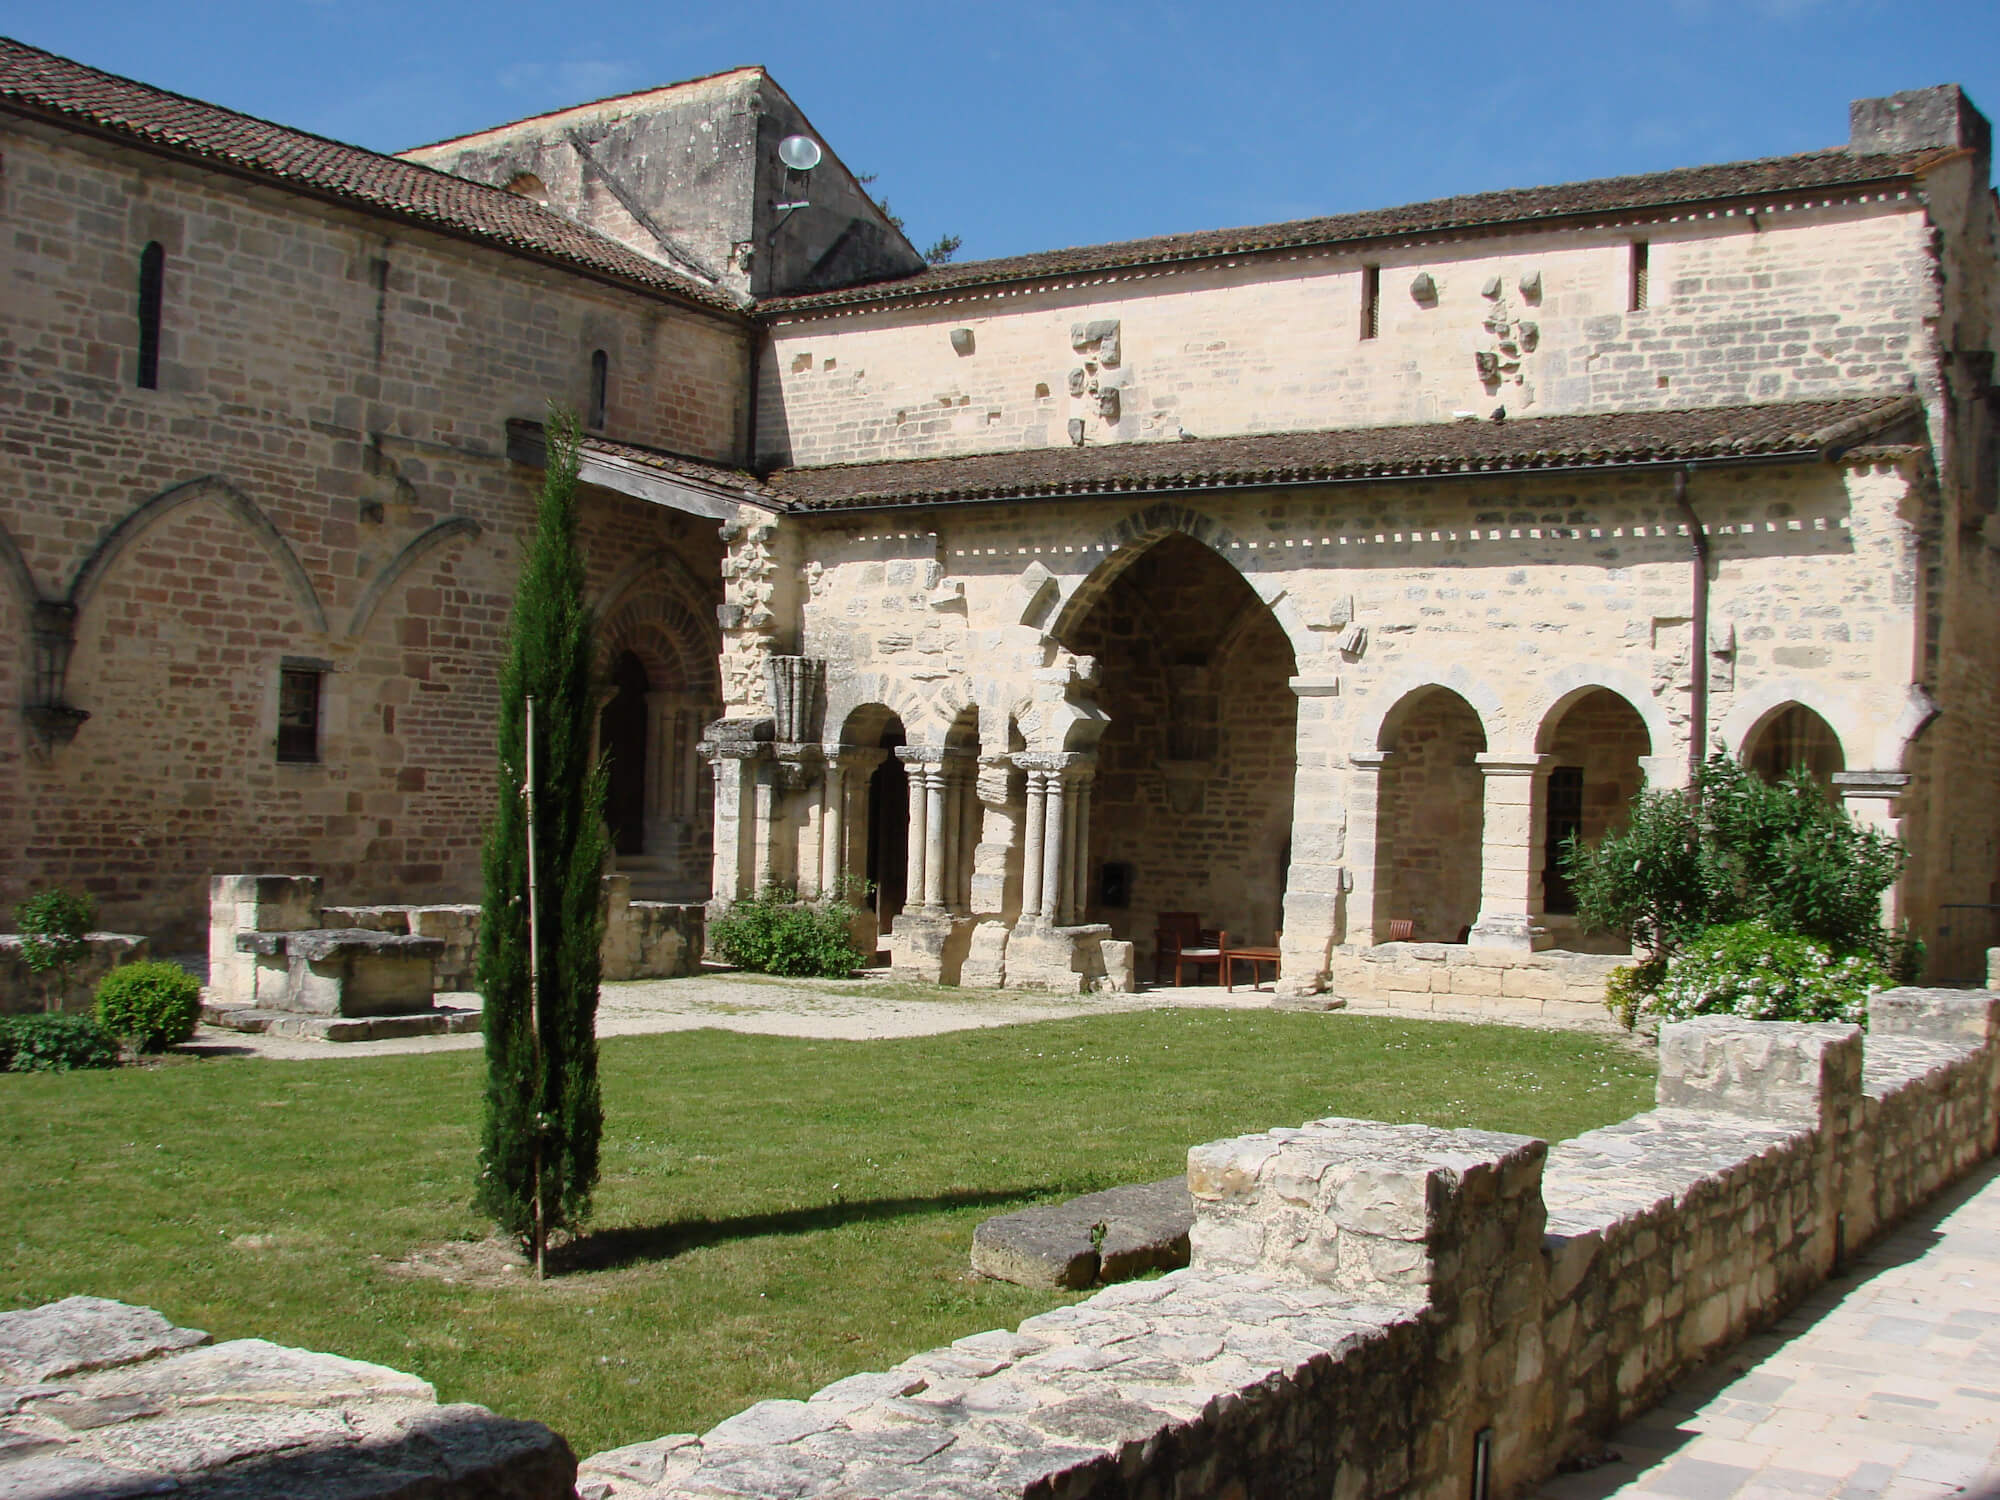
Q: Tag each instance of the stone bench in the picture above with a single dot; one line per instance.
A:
(342, 971)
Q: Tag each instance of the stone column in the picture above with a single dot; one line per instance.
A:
(1510, 863)
(766, 829)
(1053, 864)
(913, 883)
(936, 828)
(1368, 893)
(1870, 799)
(833, 826)
(996, 823)
(1079, 863)
(1031, 856)
(733, 753)
(947, 774)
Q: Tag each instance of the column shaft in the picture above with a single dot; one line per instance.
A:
(833, 830)
(934, 839)
(1052, 849)
(913, 884)
(1031, 853)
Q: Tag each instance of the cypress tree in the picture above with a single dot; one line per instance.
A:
(544, 1114)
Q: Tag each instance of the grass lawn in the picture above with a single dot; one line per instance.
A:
(775, 1212)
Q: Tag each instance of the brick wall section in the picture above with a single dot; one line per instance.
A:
(1805, 302)
(350, 409)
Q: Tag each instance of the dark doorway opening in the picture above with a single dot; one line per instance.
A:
(621, 731)
(888, 868)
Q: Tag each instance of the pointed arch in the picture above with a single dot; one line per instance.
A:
(90, 572)
(1757, 707)
(426, 541)
(650, 567)
(1555, 694)
(14, 566)
(1124, 543)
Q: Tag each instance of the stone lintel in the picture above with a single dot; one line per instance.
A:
(1496, 763)
(1325, 686)
(1371, 760)
(1871, 783)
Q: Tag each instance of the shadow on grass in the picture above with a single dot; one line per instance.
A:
(609, 1249)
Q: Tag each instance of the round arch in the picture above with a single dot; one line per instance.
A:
(1378, 718)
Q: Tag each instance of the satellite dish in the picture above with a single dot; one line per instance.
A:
(799, 152)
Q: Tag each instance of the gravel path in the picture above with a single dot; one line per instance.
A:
(849, 1010)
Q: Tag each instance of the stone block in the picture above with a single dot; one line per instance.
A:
(1968, 1017)
(342, 971)
(252, 903)
(985, 966)
(1773, 1070)
(457, 927)
(1109, 1236)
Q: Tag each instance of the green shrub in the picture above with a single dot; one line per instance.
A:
(1735, 848)
(153, 1005)
(54, 1044)
(1754, 971)
(55, 926)
(777, 933)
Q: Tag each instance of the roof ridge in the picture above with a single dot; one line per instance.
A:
(549, 114)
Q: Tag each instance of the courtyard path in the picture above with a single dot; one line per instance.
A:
(1884, 1385)
(848, 1010)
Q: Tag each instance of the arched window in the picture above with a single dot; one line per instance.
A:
(152, 292)
(600, 382)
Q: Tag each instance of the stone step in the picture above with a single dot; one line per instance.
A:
(1114, 1235)
(444, 1020)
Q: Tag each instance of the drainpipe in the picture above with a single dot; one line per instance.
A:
(750, 416)
(1698, 666)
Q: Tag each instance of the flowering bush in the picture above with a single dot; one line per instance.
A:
(1754, 971)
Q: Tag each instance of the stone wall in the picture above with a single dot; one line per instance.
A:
(319, 479)
(22, 990)
(1382, 1310)
(108, 1399)
(1789, 305)
(1533, 599)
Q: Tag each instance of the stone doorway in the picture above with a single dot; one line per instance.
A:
(622, 738)
(1431, 818)
(1191, 800)
(886, 841)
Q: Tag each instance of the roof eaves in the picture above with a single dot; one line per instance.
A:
(868, 296)
(668, 285)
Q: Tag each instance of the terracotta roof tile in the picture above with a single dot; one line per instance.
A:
(1647, 193)
(1806, 430)
(41, 83)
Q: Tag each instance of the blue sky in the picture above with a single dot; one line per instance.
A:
(1025, 127)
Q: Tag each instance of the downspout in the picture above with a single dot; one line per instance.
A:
(1698, 665)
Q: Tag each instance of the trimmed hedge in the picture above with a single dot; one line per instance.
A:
(153, 1005)
(55, 1044)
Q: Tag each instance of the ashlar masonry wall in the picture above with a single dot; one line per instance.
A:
(1374, 1309)
(1522, 596)
(318, 480)
(1802, 299)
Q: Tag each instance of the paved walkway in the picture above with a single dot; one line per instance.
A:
(1886, 1383)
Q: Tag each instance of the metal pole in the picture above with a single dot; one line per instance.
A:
(535, 991)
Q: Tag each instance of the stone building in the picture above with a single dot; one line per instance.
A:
(1315, 578)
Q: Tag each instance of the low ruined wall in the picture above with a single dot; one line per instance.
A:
(22, 990)
(1377, 1310)
(106, 1399)
(1461, 980)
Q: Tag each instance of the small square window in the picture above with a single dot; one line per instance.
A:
(298, 714)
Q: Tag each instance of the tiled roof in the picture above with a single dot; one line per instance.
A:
(1801, 430)
(719, 476)
(1648, 193)
(41, 83)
